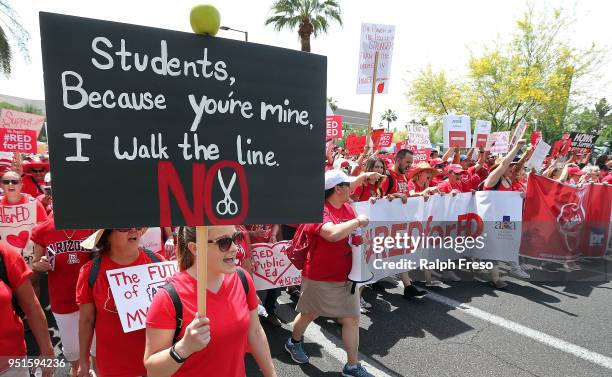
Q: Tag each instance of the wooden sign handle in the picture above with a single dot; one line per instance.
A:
(202, 266)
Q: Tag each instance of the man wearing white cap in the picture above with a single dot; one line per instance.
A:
(326, 290)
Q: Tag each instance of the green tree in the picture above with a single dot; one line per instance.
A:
(333, 103)
(311, 17)
(433, 94)
(11, 32)
(597, 120)
(389, 116)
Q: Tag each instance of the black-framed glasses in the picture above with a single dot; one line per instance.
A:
(225, 243)
(125, 230)
(11, 181)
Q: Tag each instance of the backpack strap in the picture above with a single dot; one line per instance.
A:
(95, 270)
(152, 256)
(178, 308)
(391, 184)
(243, 280)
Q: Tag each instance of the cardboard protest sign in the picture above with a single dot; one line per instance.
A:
(375, 135)
(191, 129)
(481, 133)
(583, 140)
(333, 127)
(18, 140)
(133, 289)
(538, 156)
(521, 127)
(21, 121)
(355, 144)
(419, 154)
(457, 131)
(498, 143)
(418, 136)
(272, 266)
(16, 223)
(375, 37)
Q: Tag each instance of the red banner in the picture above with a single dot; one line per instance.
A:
(386, 139)
(457, 139)
(333, 127)
(562, 223)
(22, 140)
(355, 144)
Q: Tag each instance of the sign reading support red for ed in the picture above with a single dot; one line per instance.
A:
(333, 127)
(133, 289)
(194, 127)
(12, 140)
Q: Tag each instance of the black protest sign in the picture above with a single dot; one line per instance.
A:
(583, 140)
(151, 127)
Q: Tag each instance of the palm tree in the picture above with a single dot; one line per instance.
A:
(389, 116)
(10, 26)
(310, 16)
(333, 103)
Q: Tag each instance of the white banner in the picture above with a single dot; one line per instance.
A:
(457, 131)
(272, 267)
(16, 223)
(484, 225)
(133, 289)
(539, 154)
(375, 37)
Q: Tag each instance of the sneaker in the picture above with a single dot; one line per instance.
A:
(261, 311)
(296, 351)
(378, 287)
(356, 371)
(571, 265)
(500, 284)
(273, 320)
(433, 284)
(519, 273)
(363, 310)
(364, 304)
(294, 291)
(412, 291)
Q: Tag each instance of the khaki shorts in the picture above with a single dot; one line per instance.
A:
(328, 299)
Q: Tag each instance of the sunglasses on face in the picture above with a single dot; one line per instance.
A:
(225, 243)
(344, 184)
(11, 181)
(37, 170)
(125, 230)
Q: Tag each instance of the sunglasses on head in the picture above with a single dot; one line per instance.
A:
(225, 243)
(125, 230)
(11, 181)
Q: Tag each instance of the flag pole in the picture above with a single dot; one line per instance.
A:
(369, 131)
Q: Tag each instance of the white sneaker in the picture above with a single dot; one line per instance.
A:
(364, 304)
(262, 311)
(519, 273)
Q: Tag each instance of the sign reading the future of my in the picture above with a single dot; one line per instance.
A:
(157, 127)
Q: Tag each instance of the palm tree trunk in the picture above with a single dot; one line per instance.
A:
(304, 32)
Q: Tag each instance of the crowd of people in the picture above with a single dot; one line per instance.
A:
(179, 341)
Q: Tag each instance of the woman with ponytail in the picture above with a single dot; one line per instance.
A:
(212, 343)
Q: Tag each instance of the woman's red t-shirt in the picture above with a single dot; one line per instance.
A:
(329, 261)
(365, 192)
(12, 340)
(68, 260)
(229, 313)
(118, 354)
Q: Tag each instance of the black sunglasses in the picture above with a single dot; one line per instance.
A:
(11, 181)
(37, 170)
(225, 243)
(125, 230)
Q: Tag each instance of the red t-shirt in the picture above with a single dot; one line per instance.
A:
(329, 261)
(365, 192)
(29, 187)
(515, 186)
(400, 183)
(413, 186)
(69, 258)
(229, 313)
(447, 186)
(470, 179)
(49, 207)
(12, 340)
(607, 179)
(118, 354)
(41, 213)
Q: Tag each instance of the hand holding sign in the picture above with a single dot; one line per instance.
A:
(196, 338)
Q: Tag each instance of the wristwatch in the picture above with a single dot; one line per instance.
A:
(176, 356)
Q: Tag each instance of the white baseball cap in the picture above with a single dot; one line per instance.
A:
(335, 177)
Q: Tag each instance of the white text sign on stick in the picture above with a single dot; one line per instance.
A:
(133, 289)
(375, 37)
(538, 156)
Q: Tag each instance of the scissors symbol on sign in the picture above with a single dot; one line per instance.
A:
(229, 205)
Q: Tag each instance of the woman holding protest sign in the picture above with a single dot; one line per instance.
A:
(215, 342)
(15, 288)
(118, 353)
(326, 290)
(60, 255)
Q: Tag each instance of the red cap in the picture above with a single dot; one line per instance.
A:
(455, 168)
(575, 171)
(436, 161)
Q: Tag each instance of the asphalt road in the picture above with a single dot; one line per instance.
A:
(558, 324)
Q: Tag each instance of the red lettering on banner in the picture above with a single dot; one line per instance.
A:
(469, 224)
(395, 229)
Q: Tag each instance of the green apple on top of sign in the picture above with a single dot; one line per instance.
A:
(205, 19)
